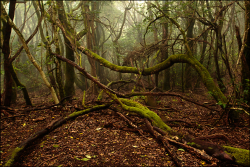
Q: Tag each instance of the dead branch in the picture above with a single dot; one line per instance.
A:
(177, 120)
(164, 142)
(14, 116)
(162, 109)
(192, 150)
(128, 121)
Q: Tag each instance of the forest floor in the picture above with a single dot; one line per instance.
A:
(102, 138)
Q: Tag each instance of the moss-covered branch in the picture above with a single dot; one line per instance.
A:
(242, 156)
(179, 58)
(138, 108)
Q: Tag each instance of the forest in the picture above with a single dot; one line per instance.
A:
(125, 83)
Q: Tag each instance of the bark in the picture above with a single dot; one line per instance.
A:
(57, 61)
(50, 71)
(218, 49)
(6, 51)
(91, 43)
(14, 93)
(21, 86)
(188, 71)
(204, 46)
(80, 83)
(164, 52)
(226, 58)
(69, 70)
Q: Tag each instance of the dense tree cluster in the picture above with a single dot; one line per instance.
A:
(159, 45)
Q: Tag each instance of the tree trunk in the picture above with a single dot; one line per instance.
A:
(21, 86)
(204, 46)
(69, 70)
(6, 51)
(188, 70)
(89, 25)
(166, 73)
(246, 56)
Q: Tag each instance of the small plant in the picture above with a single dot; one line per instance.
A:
(222, 104)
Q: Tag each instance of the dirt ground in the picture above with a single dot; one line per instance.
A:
(102, 138)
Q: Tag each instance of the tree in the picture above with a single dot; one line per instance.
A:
(29, 54)
(6, 51)
(175, 48)
(202, 71)
(164, 52)
(69, 70)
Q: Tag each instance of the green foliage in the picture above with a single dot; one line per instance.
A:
(1, 72)
(48, 3)
(223, 105)
(56, 145)
(18, 87)
(181, 149)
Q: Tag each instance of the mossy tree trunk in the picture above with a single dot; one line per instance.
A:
(69, 70)
(57, 61)
(56, 82)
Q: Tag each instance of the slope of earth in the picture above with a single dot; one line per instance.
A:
(103, 138)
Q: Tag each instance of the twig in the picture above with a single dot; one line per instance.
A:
(14, 116)
(162, 109)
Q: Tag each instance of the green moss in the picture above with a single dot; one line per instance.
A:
(138, 108)
(78, 113)
(122, 69)
(194, 144)
(13, 156)
(178, 58)
(242, 156)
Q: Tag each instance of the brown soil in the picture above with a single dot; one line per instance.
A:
(103, 138)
